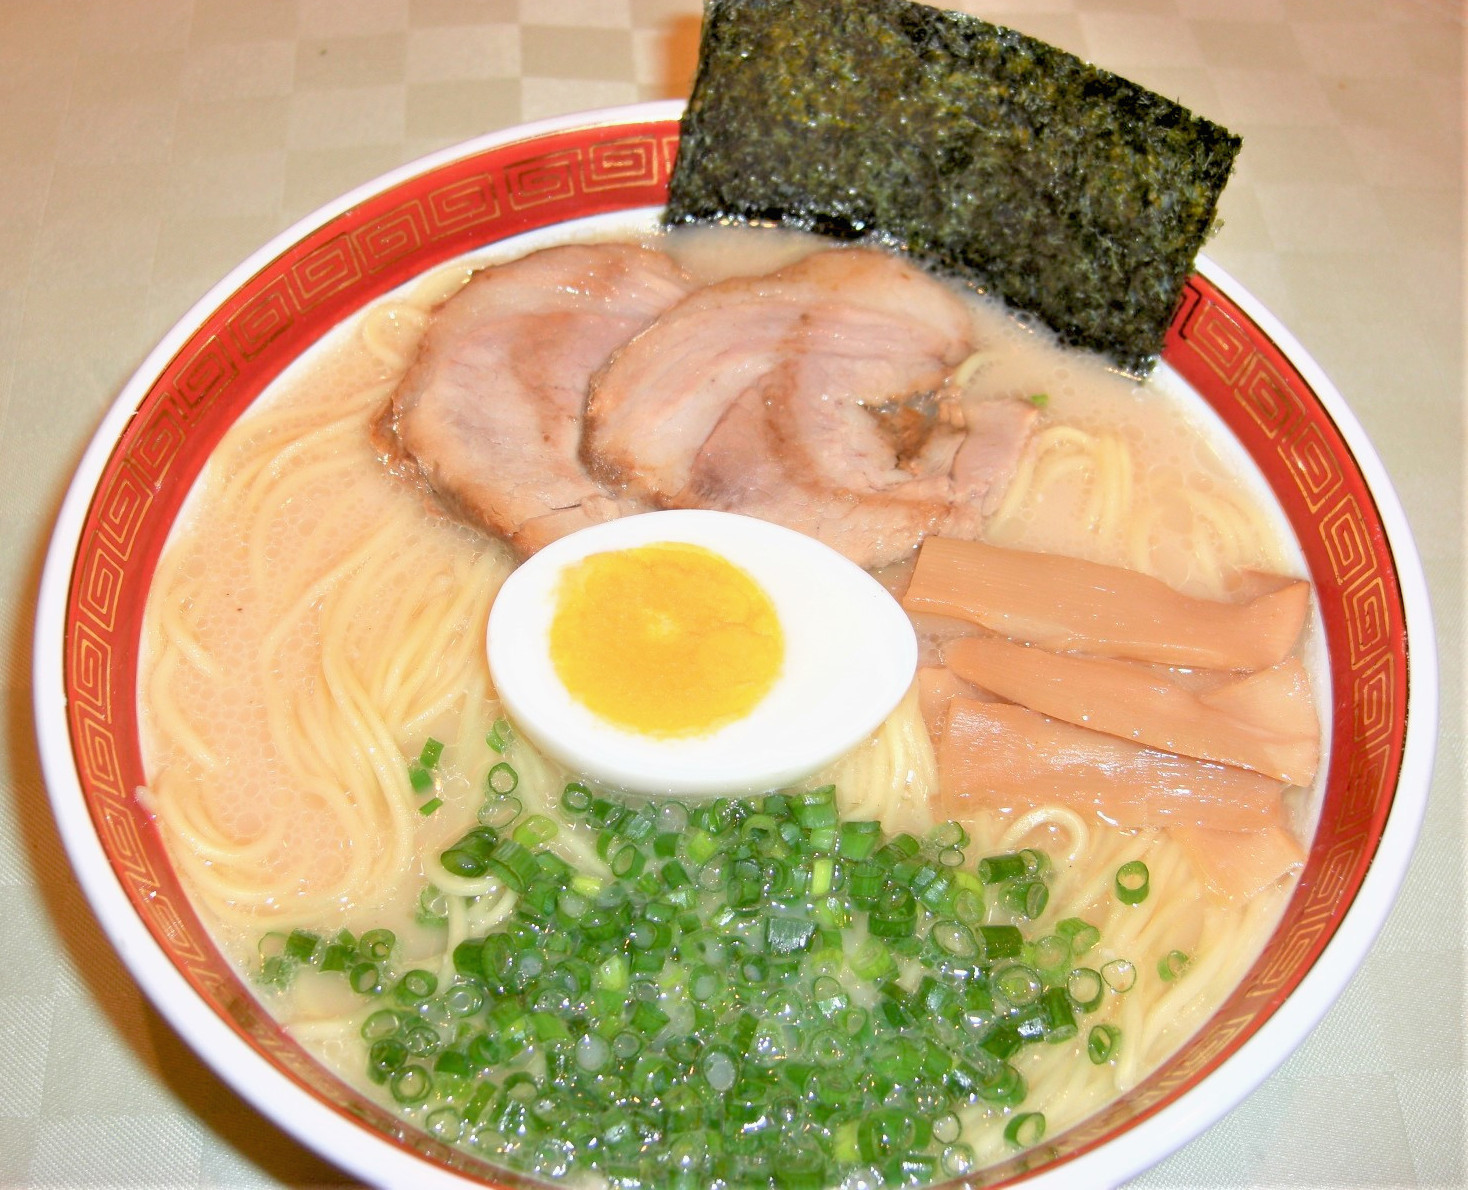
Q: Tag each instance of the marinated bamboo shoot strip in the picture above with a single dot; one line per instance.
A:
(1239, 864)
(1264, 722)
(937, 687)
(1069, 603)
(1008, 757)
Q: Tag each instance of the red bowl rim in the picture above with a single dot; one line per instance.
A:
(139, 467)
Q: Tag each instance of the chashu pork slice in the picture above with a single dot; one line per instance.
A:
(490, 410)
(815, 396)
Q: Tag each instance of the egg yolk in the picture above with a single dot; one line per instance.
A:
(668, 639)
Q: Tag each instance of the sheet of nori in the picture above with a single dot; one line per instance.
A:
(1070, 192)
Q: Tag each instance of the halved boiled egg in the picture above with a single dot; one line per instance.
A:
(696, 652)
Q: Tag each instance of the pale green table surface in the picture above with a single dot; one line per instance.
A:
(146, 146)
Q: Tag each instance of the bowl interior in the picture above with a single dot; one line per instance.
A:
(518, 184)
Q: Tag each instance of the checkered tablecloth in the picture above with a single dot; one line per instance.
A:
(146, 146)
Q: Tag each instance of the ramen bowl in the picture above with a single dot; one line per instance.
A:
(530, 185)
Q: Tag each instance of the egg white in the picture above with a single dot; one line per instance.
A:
(850, 656)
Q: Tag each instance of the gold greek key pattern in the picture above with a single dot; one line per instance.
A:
(462, 204)
(1220, 342)
(126, 846)
(121, 510)
(101, 586)
(542, 180)
(1368, 620)
(159, 442)
(1342, 534)
(210, 369)
(97, 755)
(261, 321)
(1314, 466)
(1263, 392)
(396, 235)
(90, 654)
(1365, 778)
(620, 163)
(326, 271)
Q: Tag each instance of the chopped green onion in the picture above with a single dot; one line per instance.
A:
(1027, 898)
(1080, 934)
(385, 1055)
(469, 857)
(857, 840)
(432, 750)
(1172, 964)
(958, 1160)
(1050, 956)
(500, 812)
(968, 906)
(1086, 988)
(1059, 1018)
(433, 906)
(379, 1025)
(1120, 975)
(430, 806)
(1001, 942)
(364, 979)
(872, 960)
(955, 939)
(1026, 1129)
(704, 999)
(1101, 1043)
(576, 798)
(628, 861)
(535, 830)
(1016, 984)
(1132, 881)
(501, 735)
(502, 778)
(301, 945)
(419, 777)
(948, 835)
(415, 985)
(376, 945)
(513, 863)
(1004, 1088)
(411, 1084)
(995, 869)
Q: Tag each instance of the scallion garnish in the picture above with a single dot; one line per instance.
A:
(1080, 934)
(500, 736)
(1120, 975)
(1101, 1043)
(709, 989)
(1132, 882)
(1025, 1129)
(1171, 965)
(502, 779)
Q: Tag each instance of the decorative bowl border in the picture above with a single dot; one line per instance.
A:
(221, 356)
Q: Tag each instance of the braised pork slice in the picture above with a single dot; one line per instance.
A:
(815, 396)
(490, 411)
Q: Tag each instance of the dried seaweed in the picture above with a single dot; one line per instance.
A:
(1070, 192)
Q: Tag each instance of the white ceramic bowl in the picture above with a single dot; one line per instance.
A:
(529, 181)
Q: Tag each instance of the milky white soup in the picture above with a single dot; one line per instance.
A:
(323, 740)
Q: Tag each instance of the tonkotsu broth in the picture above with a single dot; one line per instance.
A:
(278, 768)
